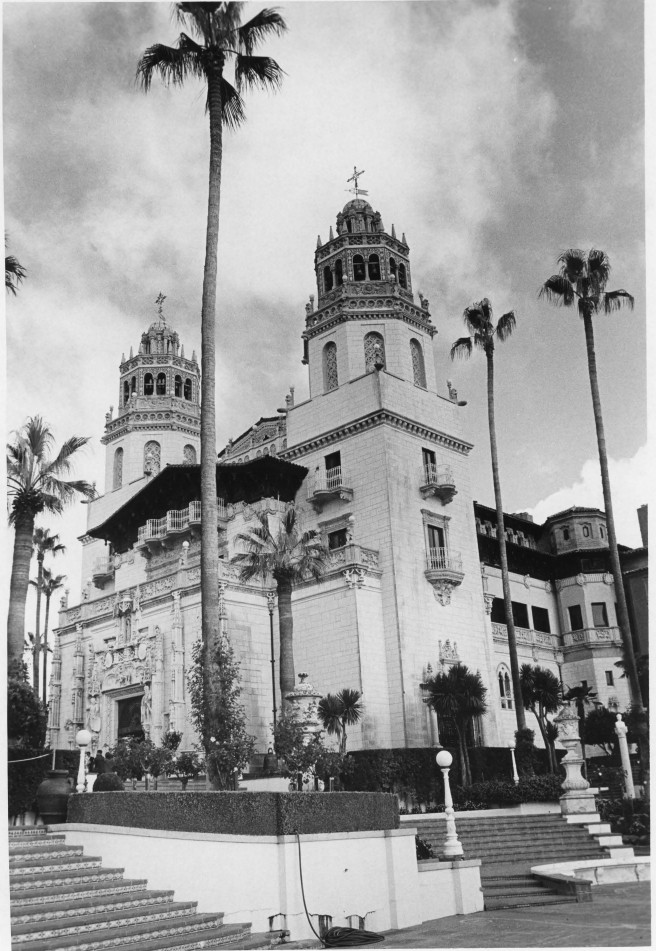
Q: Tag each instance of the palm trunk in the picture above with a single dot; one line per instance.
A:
(20, 579)
(37, 630)
(209, 560)
(286, 626)
(501, 536)
(622, 610)
(45, 649)
(465, 776)
(543, 732)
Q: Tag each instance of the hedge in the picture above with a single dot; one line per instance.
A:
(238, 813)
(528, 789)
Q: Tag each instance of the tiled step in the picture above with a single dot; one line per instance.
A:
(496, 904)
(56, 891)
(202, 931)
(49, 850)
(68, 877)
(76, 906)
(17, 843)
(97, 920)
(28, 865)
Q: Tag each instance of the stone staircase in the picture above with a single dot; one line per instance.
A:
(509, 846)
(62, 899)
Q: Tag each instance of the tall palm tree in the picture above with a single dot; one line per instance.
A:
(43, 543)
(581, 282)
(337, 711)
(278, 548)
(541, 694)
(220, 39)
(478, 320)
(35, 484)
(458, 695)
(51, 583)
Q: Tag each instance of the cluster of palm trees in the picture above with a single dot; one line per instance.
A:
(581, 281)
(46, 584)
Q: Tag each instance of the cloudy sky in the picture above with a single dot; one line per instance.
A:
(494, 134)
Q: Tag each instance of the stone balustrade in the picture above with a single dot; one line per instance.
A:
(592, 637)
(353, 556)
(527, 636)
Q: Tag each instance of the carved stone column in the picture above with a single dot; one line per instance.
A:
(54, 710)
(576, 798)
(621, 730)
(176, 700)
(77, 690)
(157, 727)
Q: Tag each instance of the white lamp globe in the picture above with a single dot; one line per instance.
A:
(444, 759)
(83, 738)
(511, 744)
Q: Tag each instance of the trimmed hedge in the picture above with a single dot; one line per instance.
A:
(239, 813)
(528, 789)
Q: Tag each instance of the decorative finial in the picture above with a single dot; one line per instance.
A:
(159, 301)
(354, 178)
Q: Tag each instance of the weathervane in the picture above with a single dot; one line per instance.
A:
(354, 178)
(160, 300)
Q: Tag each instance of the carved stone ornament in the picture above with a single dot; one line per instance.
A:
(580, 579)
(548, 587)
(608, 578)
(355, 577)
(442, 591)
(489, 601)
(527, 581)
(448, 652)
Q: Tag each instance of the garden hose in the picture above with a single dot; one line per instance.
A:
(336, 937)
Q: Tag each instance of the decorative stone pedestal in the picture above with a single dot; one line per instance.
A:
(577, 797)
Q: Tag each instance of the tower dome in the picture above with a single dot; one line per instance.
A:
(357, 206)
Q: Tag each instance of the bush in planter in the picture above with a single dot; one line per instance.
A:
(423, 848)
(108, 782)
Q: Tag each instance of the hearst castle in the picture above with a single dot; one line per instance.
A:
(377, 459)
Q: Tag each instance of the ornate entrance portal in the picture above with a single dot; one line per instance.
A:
(129, 718)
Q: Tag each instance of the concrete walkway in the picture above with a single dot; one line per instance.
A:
(619, 916)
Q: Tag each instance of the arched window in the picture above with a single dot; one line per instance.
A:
(330, 380)
(359, 271)
(178, 386)
(374, 350)
(327, 279)
(118, 469)
(505, 689)
(187, 389)
(349, 226)
(339, 272)
(258, 454)
(133, 385)
(402, 278)
(126, 392)
(152, 457)
(161, 384)
(393, 269)
(374, 267)
(189, 455)
(601, 531)
(148, 384)
(418, 368)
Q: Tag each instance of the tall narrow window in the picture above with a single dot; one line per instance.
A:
(126, 392)
(178, 386)
(133, 385)
(148, 384)
(327, 279)
(403, 281)
(359, 271)
(189, 454)
(374, 350)
(418, 368)
(161, 384)
(374, 267)
(599, 614)
(430, 468)
(339, 272)
(152, 457)
(575, 617)
(505, 689)
(393, 269)
(330, 380)
(118, 469)
(187, 389)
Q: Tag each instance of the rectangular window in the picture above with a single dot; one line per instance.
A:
(520, 614)
(541, 620)
(498, 611)
(436, 538)
(333, 461)
(609, 678)
(428, 457)
(575, 617)
(599, 614)
(336, 539)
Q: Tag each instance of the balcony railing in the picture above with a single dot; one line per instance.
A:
(328, 484)
(438, 481)
(176, 520)
(442, 558)
(444, 572)
(592, 637)
(102, 571)
(528, 636)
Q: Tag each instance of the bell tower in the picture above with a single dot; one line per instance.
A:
(158, 419)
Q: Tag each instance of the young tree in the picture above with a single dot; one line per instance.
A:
(43, 543)
(541, 694)
(278, 548)
(337, 711)
(478, 320)
(51, 583)
(220, 39)
(219, 717)
(35, 484)
(459, 695)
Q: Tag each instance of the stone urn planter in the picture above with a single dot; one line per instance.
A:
(52, 796)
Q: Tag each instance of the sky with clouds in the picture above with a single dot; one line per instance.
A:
(494, 134)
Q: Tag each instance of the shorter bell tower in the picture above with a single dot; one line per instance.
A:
(158, 419)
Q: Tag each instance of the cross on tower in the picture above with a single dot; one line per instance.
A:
(354, 178)
(160, 300)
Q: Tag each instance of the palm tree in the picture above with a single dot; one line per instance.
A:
(337, 711)
(15, 273)
(35, 484)
(278, 548)
(582, 281)
(458, 695)
(478, 320)
(51, 583)
(541, 694)
(43, 543)
(221, 38)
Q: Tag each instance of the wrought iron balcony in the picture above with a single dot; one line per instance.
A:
(326, 485)
(437, 481)
(444, 572)
(174, 522)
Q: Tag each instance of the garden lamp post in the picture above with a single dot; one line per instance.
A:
(515, 774)
(452, 846)
(83, 739)
(621, 730)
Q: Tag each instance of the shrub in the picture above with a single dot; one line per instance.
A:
(628, 817)
(108, 782)
(525, 752)
(489, 794)
(26, 716)
(411, 773)
(423, 848)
